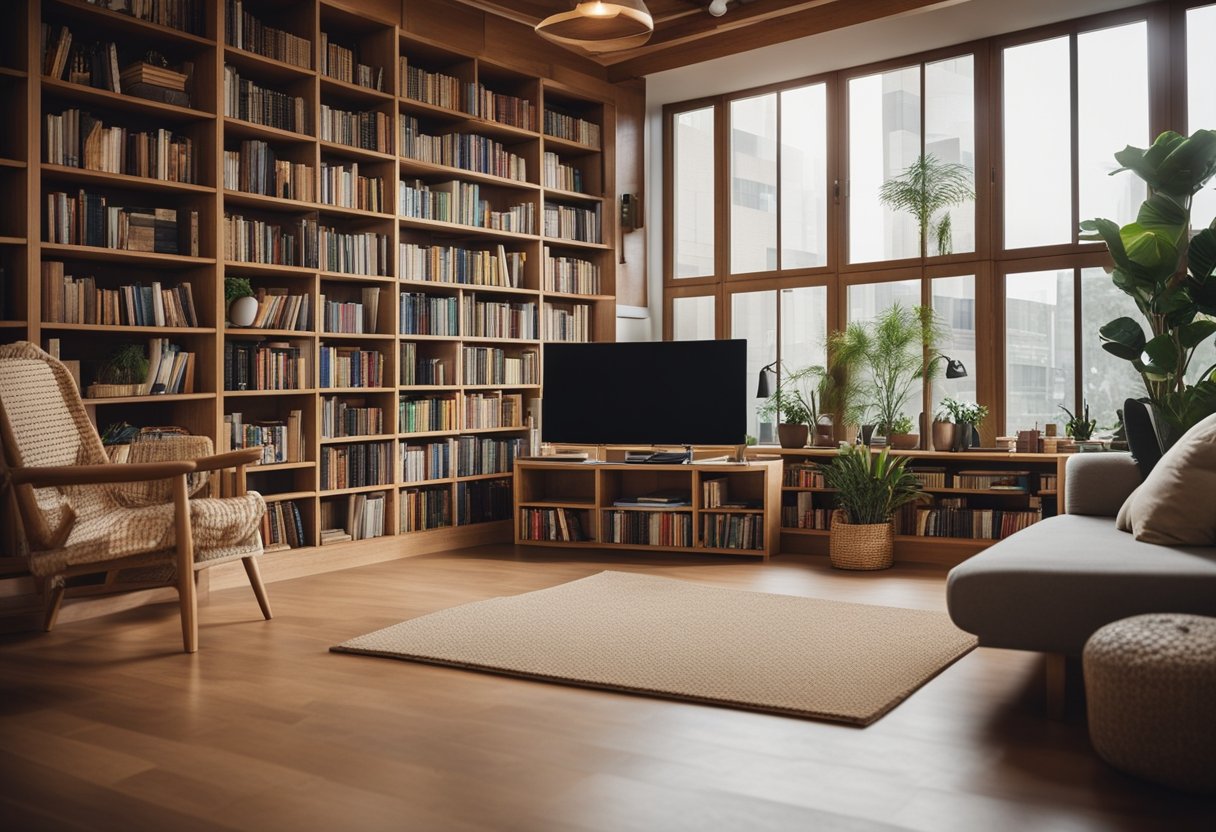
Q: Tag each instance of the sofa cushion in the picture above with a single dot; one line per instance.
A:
(1052, 585)
(1176, 503)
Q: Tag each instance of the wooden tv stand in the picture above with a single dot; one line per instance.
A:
(572, 504)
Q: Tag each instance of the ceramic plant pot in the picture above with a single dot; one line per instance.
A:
(792, 436)
(242, 311)
(904, 441)
(861, 546)
(944, 435)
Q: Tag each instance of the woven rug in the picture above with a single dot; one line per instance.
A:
(619, 631)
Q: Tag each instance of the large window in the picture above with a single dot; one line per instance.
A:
(693, 193)
(1040, 363)
(804, 195)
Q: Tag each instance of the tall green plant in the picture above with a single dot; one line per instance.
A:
(1169, 274)
(884, 362)
(870, 487)
(926, 187)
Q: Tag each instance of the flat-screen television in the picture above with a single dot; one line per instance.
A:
(645, 393)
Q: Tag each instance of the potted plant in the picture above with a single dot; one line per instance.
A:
(122, 373)
(926, 187)
(796, 403)
(870, 488)
(1080, 428)
(1171, 277)
(242, 305)
(943, 430)
(967, 416)
(882, 363)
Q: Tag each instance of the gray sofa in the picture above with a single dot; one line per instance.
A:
(1050, 586)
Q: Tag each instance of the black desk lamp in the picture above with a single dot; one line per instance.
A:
(764, 388)
(954, 367)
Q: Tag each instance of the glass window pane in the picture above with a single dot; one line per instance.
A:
(867, 301)
(1200, 102)
(954, 303)
(884, 139)
(692, 319)
(754, 317)
(753, 184)
(1039, 356)
(1037, 173)
(950, 138)
(804, 326)
(804, 192)
(693, 210)
(1106, 380)
(1112, 112)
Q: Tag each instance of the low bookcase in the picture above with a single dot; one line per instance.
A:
(702, 508)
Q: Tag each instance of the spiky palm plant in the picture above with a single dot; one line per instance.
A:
(870, 488)
(926, 187)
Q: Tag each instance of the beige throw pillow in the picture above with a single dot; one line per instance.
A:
(1176, 503)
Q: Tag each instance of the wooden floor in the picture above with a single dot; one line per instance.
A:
(105, 725)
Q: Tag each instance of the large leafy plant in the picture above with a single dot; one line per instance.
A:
(870, 487)
(1169, 274)
(926, 187)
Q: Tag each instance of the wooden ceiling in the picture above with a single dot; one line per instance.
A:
(685, 33)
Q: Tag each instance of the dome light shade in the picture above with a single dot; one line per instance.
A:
(600, 25)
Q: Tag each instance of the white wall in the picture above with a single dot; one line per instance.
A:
(943, 25)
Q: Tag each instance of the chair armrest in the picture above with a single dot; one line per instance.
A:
(1098, 484)
(232, 459)
(96, 474)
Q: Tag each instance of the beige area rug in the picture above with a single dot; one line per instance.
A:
(619, 631)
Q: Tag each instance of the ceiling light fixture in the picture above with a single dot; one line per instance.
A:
(717, 8)
(600, 25)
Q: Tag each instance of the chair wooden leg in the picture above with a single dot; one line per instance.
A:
(185, 564)
(1057, 674)
(255, 581)
(54, 599)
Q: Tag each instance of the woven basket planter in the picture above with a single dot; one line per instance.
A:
(864, 546)
(110, 391)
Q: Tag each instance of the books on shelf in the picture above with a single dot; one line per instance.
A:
(77, 61)
(367, 513)
(929, 477)
(461, 150)
(426, 414)
(732, 531)
(88, 219)
(423, 314)
(568, 222)
(570, 325)
(370, 130)
(483, 501)
(476, 456)
(551, 524)
(170, 371)
(343, 186)
(715, 491)
(78, 300)
(343, 64)
(429, 87)
(358, 252)
(255, 169)
(247, 101)
(424, 371)
(651, 528)
(350, 367)
(461, 203)
(331, 535)
(492, 365)
(76, 139)
(356, 317)
(245, 31)
(803, 513)
(428, 461)
(572, 128)
(493, 410)
(469, 267)
(803, 475)
(278, 309)
(973, 523)
(511, 110)
(264, 365)
(282, 526)
(356, 465)
(183, 15)
(993, 480)
(281, 440)
(426, 508)
(561, 176)
(349, 417)
(258, 241)
(497, 319)
(571, 275)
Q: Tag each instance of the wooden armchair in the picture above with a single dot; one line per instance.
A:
(84, 515)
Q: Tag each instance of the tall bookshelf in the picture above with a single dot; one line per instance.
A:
(358, 133)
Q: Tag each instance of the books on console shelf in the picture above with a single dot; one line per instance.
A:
(970, 523)
(497, 319)
(343, 64)
(929, 477)
(993, 480)
(280, 440)
(78, 300)
(341, 417)
(282, 526)
(561, 176)
(466, 267)
(492, 365)
(257, 241)
(366, 516)
(572, 128)
(369, 130)
(426, 414)
(429, 87)
(170, 371)
(652, 528)
(426, 508)
(732, 531)
(360, 253)
(350, 367)
(356, 465)
(329, 536)
(88, 219)
(476, 456)
(183, 15)
(247, 101)
(504, 109)
(460, 203)
(76, 139)
(264, 365)
(571, 325)
(428, 461)
(417, 371)
(804, 515)
(568, 222)
(803, 475)
(423, 314)
(343, 186)
(493, 410)
(279, 310)
(352, 316)
(245, 31)
(571, 275)
(551, 524)
(255, 168)
(483, 501)
(460, 150)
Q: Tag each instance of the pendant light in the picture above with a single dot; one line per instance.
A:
(600, 25)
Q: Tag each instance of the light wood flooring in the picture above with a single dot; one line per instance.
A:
(104, 724)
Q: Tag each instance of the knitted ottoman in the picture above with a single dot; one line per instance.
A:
(1151, 685)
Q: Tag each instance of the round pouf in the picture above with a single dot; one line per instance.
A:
(1150, 682)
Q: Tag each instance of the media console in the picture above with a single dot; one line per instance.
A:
(700, 507)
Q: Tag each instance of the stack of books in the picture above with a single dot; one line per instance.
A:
(282, 526)
(349, 417)
(279, 310)
(343, 64)
(426, 508)
(280, 441)
(264, 365)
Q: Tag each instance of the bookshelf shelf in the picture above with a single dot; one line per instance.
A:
(415, 168)
(132, 330)
(353, 213)
(266, 202)
(12, 324)
(267, 268)
(265, 68)
(121, 180)
(239, 128)
(478, 477)
(117, 255)
(359, 154)
(246, 332)
(12, 163)
(564, 241)
(356, 489)
(283, 496)
(354, 92)
(163, 397)
(577, 196)
(253, 394)
(9, 72)
(12, 241)
(558, 144)
(462, 230)
(115, 22)
(574, 296)
(93, 96)
(367, 437)
(364, 278)
(281, 466)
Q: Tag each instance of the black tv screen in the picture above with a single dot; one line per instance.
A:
(645, 393)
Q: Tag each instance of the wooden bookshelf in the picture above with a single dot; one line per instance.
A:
(27, 96)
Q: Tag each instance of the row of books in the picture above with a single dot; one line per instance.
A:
(282, 527)
(572, 128)
(571, 325)
(571, 223)
(651, 528)
(929, 477)
(483, 501)
(426, 414)
(993, 480)
(349, 417)
(342, 185)
(550, 524)
(476, 456)
(245, 100)
(78, 300)
(493, 410)
(350, 367)
(258, 241)
(972, 523)
(560, 175)
(355, 317)
(170, 369)
(429, 461)
(343, 64)
(423, 314)
(360, 252)
(469, 267)
(732, 531)
(461, 203)
(452, 93)
(429, 87)
(91, 64)
(417, 371)
(498, 319)
(244, 31)
(368, 130)
(495, 106)
(280, 440)
(572, 275)
(183, 15)
(264, 365)
(803, 475)
(461, 150)
(361, 517)
(356, 465)
(87, 219)
(77, 139)
(277, 309)
(425, 508)
(255, 169)
(802, 516)
(492, 365)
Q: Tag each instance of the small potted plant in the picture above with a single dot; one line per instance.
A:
(242, 305)
(1081, 428)
(122, 373)
(870, 488)
(795, 405)
(944, 430)
(967, 418)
